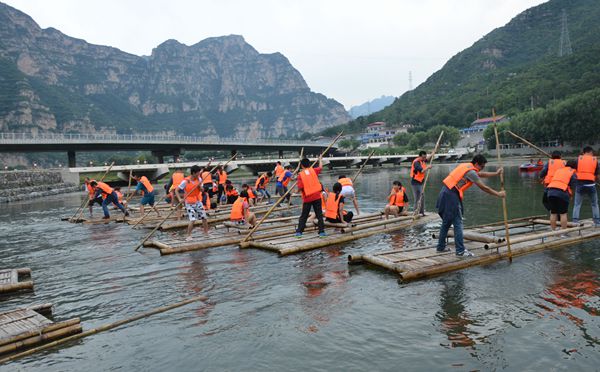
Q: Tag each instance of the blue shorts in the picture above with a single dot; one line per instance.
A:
(148, 198)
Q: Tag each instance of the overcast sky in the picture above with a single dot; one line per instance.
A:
(349, 50)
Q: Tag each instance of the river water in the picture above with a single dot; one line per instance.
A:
(309, 311)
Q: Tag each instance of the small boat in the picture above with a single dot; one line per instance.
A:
(531, 167)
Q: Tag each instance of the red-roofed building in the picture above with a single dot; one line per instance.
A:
(479, 125)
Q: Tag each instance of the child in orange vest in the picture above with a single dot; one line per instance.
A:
(240, 211)
(398, 199)
(334, 206)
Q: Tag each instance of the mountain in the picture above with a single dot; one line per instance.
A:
(509, 69)
(370, 107)
(50, 82)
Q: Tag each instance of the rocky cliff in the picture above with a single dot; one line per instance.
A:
(50, 82)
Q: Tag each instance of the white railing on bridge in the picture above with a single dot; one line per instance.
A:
(30, 138)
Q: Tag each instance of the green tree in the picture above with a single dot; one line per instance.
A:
(402, 139)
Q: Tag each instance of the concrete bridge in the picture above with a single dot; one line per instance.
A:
(160, 146)
(157, 171)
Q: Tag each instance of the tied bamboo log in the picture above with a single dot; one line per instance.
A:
(103, 328)
(177, 206)
(421, 200)
(504, 210)
(289, 190)
(87, 200)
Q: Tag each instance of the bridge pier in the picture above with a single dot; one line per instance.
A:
(71, 159)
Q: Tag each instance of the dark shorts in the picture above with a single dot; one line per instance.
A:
(148, 198)
(558, 205)
(95, 201)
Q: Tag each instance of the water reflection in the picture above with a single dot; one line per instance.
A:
(455, 321)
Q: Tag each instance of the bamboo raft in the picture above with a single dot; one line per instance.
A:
(12, 280)
(232, 234)
(527, 235)
(28, 327)
(337, 234)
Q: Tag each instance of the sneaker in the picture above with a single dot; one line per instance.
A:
(126, 214)
(466, 253)
(443, 250)
(322, 235)
(298, 235)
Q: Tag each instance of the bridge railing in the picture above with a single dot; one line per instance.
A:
(31, 138)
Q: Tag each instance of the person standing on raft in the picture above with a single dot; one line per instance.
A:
(109, 195)
(560, 189)
(417, 177)
(587, 174)
(283, 180)
(261, 186)
(221, 179)
(93, 197)
(310, 189)
(547, 173)
(449, 202)
(145, 187)
(191, 188)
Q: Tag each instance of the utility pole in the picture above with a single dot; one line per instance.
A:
(410, 81)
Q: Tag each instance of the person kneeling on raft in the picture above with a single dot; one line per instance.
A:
(334, 206)
(240, 211)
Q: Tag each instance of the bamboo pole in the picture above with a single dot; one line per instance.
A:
(529, 144)
(296, 171)
(362, 166)
(177, 206)
(51, 327)
(504, 211)
(421, 200)
(103, 328)
(45, 335)
(87, 199)
(289, 190)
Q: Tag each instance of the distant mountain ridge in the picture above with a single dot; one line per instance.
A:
(50, 82)
(511, 68)
(370, 107)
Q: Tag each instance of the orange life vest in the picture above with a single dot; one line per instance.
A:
(222, 177)
(553, 166)
(233, 192)
(251, 194)
(177, 178)
(279, 170)
(398, 198)
(146, 184)
(345, 181)
(457, 179)
(90, 190)
(586, 167)
(119, 196)
(237, 209)
(287, 180)
(206, 177)
(561, 179)
(332, 205)
(420, 176)
(106, 190)
(192, 190)
(257, 184)
(310, 181)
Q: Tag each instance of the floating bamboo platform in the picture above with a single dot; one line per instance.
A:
(488, 243)
(337, 234)
(12, 280)
(28, 327)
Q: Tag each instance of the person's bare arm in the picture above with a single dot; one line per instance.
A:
(489, 190)
(491, 174)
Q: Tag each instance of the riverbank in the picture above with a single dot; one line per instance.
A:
(31, 184)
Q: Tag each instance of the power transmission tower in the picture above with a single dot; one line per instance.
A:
(564, 48)
(410, 87)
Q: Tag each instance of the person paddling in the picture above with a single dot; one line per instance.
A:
(261, 186)
(109, 195)
(283, 180)
(310, 188)
(587, 175)
(417, 177)
(449, 202)
(221, 179)
(190, 188)
(547, 173)
(93, 198)
(147, 190)
(560, 189)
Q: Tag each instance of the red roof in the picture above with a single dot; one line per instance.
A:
(488, 120)
(376, 124)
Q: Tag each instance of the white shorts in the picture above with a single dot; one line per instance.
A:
(195, 211)
(347, 192)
